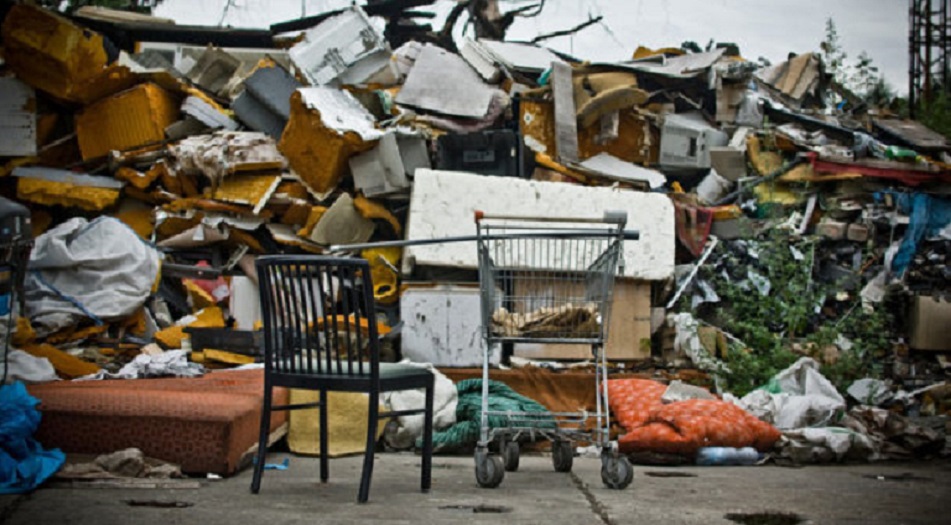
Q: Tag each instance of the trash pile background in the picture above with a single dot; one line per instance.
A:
(804, 224)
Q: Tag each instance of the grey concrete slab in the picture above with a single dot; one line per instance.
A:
(912, 493)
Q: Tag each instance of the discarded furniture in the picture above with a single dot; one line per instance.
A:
(320, 334)
(205, 424)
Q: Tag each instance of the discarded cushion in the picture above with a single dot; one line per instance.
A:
(633, 399)
(204, 424)
(686, 426)
(682, 427)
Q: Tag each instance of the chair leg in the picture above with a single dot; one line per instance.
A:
(262, 439)
(372, 422)
(428, 438)
(324, 444)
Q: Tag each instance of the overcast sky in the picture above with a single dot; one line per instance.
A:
(762, 28)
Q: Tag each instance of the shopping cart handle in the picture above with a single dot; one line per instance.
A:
(631, 235)
(615, 217)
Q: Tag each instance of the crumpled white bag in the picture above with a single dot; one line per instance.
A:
(806, 398)
(97, 269)
(27, 368)
(409, 428)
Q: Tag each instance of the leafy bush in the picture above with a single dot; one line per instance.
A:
(772, 320)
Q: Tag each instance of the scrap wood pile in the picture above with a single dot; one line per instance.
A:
(154, 178)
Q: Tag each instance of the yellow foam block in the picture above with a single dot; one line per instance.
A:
(66, 366)
(638, 140)
(51, 53)
(49, 193)
(385, 289)
(24, 333)
(252, 190)
(223, 356)
(132, 118)
(347, 415)
(76, 334)
(140, 220)
(200, 298)
(373, 210)
(318, 154)
(137, 178)
(316, 213)
(172, 336)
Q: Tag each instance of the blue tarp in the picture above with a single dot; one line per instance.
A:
(927, 216)
(24, 465)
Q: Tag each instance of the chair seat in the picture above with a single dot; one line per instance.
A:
(389, 372)
(393, 370)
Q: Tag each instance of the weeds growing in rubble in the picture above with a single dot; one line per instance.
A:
(774, 304)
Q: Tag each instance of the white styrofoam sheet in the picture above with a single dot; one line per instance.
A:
(17, 118)
(444, 82)
(340, 43)
(443, 205)
(442, 325)
(340, 111)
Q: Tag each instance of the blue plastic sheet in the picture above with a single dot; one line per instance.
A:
(927, 216)
(24, 465)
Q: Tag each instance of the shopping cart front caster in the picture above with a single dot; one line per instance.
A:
(510, 454)
(562, 455)
(616, 471)
(489, 470)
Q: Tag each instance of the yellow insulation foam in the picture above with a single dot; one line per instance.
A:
(50, 193)
(318, 154)
(51, 53)
(127, 120)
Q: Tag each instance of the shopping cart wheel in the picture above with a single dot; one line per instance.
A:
(510, 455)
(489, 470)
(616, 471)
(562, 455)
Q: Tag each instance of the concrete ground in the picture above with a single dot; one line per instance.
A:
(880, 493)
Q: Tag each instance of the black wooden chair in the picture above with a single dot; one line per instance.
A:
(320, 333)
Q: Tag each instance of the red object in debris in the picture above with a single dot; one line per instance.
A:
(693, 226)
(911, 176)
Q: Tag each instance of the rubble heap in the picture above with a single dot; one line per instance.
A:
(155, 178)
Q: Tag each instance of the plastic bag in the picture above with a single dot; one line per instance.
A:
(24, 464)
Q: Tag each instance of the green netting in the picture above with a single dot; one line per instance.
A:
(469, 413)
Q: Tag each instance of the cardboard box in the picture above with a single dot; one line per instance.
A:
(629, 331)
(929, 327)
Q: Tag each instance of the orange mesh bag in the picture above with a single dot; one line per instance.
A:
(685, 426)
(633, 399)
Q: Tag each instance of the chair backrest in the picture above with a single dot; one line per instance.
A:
(319, 316)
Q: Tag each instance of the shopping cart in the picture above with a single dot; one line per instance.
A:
(545, 280)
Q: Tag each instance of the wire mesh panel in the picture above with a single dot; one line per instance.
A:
(555, 281)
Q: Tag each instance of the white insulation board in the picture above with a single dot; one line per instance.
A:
(443, 205)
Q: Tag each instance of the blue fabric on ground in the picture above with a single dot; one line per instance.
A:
(24, 465)
(927, 216)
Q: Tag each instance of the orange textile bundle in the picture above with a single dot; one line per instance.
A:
(633, 399)
(682, 427)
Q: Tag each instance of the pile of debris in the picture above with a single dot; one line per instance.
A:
(155, 178)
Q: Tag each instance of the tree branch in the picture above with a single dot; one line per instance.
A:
(579, 27)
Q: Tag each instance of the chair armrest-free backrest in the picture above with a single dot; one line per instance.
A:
(319, 316)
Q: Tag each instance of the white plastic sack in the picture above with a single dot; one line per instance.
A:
(805, 399)
(80, 269)
(409, 428)
(821, 445)
(27, 368)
